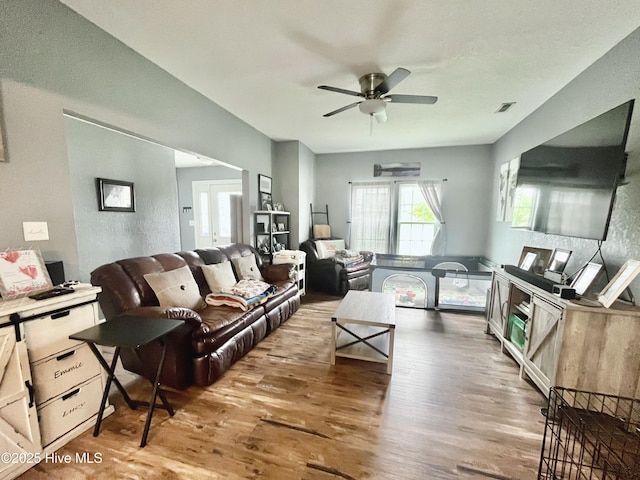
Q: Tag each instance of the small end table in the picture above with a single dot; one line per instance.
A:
(133, 333)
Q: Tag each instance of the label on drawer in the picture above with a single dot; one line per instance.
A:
(59, 374)
(49, 335)
(67, 411)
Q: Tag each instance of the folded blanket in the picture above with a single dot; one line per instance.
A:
(245, 295)
(348, 257)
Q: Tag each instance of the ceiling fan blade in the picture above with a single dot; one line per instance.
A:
(340, 90)
(341, 109)
(392, 80)
(423, 99)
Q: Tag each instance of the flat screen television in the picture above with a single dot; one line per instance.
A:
(567, 185)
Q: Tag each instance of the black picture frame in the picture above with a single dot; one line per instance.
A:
(264, 184)
(559, 260)
(265, 201)
(115, 195)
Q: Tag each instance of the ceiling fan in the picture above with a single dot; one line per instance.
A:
(374, 88)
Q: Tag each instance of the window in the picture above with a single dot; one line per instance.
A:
(416, 224)
(524, 207)
(392, 218)
(370, 216)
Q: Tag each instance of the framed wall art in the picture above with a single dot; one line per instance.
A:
(115, 196)
(264, 184)
(619, 283)
(22, 272)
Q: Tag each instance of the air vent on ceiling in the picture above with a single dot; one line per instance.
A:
(505, 106)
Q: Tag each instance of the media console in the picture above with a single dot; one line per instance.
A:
(568, 343)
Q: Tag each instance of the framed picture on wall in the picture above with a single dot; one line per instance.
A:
(264, 184)
(115, 196)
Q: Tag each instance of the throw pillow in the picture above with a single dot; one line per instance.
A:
(176, 288)
(328, 248)
(247, 268)
(219, 276)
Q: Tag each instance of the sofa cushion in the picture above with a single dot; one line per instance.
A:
(219, 276)
(328, 248)
(247, 268)
(176, 288)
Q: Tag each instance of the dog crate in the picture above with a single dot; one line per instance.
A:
(590, 436)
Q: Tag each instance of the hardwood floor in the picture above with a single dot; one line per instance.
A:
(454, 408)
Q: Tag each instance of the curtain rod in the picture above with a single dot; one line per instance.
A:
(398, 181)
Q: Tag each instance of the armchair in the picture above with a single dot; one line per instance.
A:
(335, 274)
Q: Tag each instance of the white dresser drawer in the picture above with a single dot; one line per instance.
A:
(64, 413)
(49, 335)
(59, 374)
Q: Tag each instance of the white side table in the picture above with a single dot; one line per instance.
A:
(298, 259)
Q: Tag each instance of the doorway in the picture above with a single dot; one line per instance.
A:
(214, 204)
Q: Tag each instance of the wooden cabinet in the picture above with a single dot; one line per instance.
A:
(567, 343)
(272, 232)
(19, 432)
(51, 386)
(498, 305)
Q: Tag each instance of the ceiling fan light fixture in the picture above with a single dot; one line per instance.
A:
(373, 106)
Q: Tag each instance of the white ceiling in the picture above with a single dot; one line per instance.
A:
(262, 60)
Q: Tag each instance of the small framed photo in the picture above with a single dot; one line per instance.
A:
(281, 227)
(619, 283)
(540, 262)
(585, 277)
(274, 227)
(264, 184)
(278, 207)
(265, 201)
(527, 261)
(115, 196)
(22, 272)
(559, 260)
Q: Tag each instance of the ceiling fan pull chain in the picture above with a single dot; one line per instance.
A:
(371, 124)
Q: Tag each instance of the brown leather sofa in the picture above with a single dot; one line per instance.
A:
(328, 275)
(213, 338)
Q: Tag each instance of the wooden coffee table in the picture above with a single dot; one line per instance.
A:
(363, 327)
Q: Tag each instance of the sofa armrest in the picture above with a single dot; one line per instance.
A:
(277, 273)
(368, 256)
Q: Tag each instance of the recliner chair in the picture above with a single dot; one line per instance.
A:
(331, 275)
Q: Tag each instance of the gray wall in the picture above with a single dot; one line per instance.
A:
(466, 194)
(185, 196)
(611, 81)
(52, 61)
(294, 185)
(105, 236)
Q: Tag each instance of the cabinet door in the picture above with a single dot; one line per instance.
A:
(498, 305)
(19, 432)
(541, 346)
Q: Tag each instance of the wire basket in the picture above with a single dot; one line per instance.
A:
(590, 436)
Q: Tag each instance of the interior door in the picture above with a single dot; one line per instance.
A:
(212, 211)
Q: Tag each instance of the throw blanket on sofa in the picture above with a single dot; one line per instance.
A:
(244, 295)
(348, 257)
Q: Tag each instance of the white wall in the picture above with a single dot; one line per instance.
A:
(609, 82)
(466, 194)
(54, 60)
